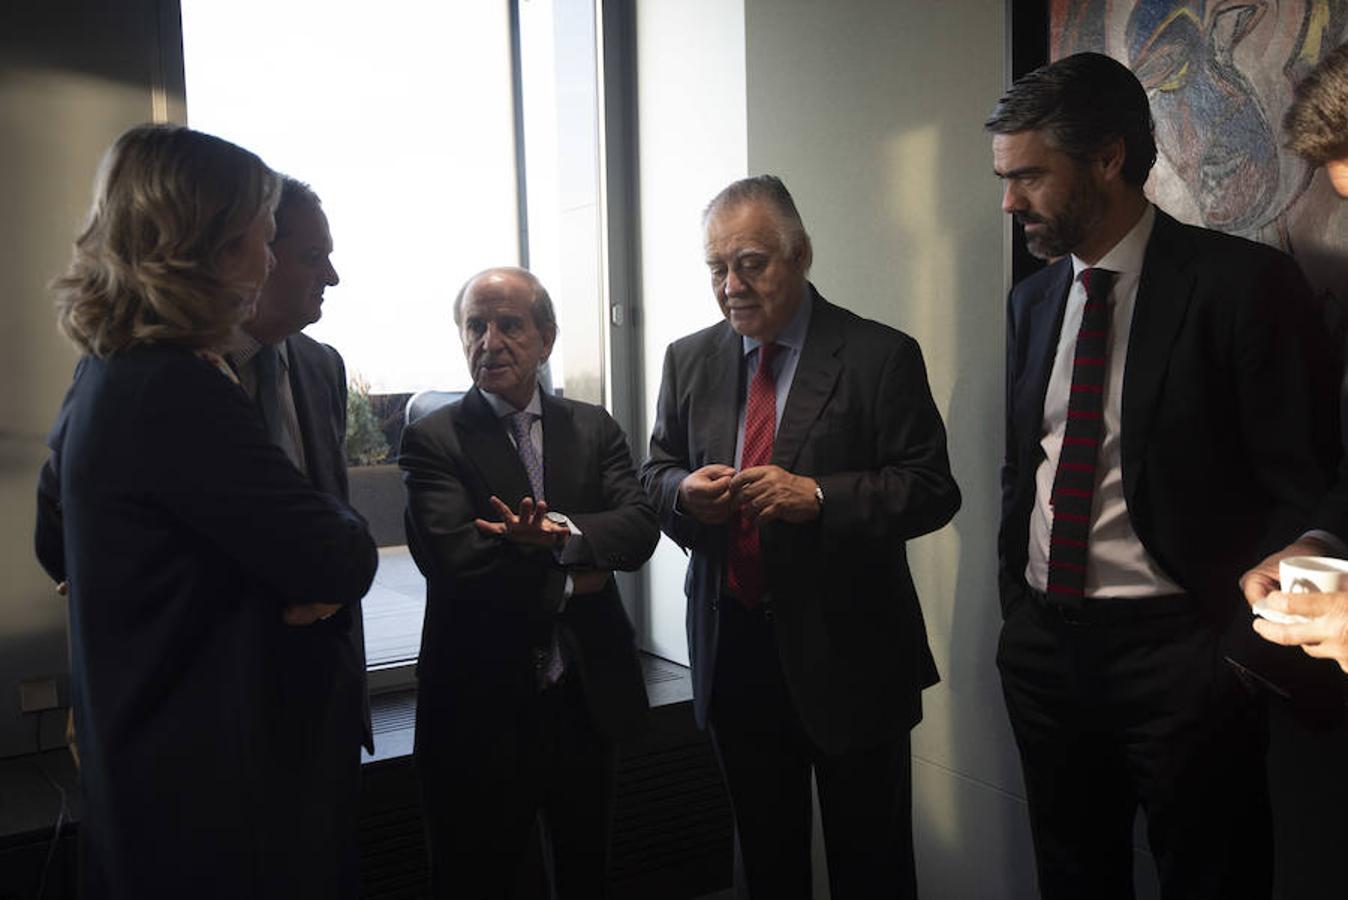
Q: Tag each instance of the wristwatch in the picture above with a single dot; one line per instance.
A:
(557, 518)
(818, 496)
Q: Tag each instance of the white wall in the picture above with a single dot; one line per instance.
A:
(692, 142)
(72, 77)
(872, 114)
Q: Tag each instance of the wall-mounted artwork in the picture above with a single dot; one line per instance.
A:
(1219, 74)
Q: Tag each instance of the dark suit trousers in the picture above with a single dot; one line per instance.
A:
(1127, 703)
(482, 792)
(316, 766)
(865, 795)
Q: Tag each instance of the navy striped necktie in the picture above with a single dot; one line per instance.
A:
(1074, 482)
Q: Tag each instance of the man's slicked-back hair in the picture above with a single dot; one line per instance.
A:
(295, 194)
(545, 316)
(769, 190)
(1317, 121)
(1080, 103)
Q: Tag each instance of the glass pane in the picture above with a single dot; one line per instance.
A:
(559, 88)
(400, 117)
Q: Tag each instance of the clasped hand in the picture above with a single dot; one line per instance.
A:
(762, 493)
(529, 526)
(300, 614)
(1325, 635)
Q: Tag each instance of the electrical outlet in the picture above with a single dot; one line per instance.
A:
(38, 695)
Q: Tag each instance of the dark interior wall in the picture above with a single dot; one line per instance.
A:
(73, 75)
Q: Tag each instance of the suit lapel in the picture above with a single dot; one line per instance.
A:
(484, 441)
(1043, 330)
(816, 376)
(719, 398)
(560, 443)
(304, 378)
(1163, 295)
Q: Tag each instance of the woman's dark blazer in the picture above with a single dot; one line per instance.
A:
(185, 531)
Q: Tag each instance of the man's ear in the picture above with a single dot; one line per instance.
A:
(805, 254)
(1110, 158)
(549, 336)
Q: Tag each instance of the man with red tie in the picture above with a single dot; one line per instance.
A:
(1156, 443)
(796, 448)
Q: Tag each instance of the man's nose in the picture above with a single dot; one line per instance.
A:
(1011, 198)
(491, 337)
(733, 283)
(330, 276)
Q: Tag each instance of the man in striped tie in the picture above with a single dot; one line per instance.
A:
(796, 448)
(1157, 441)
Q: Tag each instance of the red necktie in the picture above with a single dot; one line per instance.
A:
(745, 576)
(1074, 482)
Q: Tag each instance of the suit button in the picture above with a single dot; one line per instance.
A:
(714, 604)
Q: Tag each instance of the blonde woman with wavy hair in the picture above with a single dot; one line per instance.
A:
(176, 245)
(186, 537)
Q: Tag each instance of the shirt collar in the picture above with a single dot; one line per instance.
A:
(503, 407)
(1125, 257)
(243, 347)
(793, 335)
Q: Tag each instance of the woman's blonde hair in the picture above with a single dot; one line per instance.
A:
(168, 201)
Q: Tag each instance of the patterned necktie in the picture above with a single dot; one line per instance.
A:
(267, 366)
(521, 424)
(1074, 482)
(745, 576)
(548, 663)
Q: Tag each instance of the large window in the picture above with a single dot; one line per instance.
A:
(402, 119)
(444, 137)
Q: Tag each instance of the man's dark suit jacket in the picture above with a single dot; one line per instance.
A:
(332, 652)
(491, 604)
(1223, 380)
(318, 686)
(1332, 513)
(860, 420)
(184, 532)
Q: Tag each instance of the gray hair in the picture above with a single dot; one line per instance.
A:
(770, 191)
(545, 317)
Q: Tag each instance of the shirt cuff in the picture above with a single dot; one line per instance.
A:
(1333, 541)
(573, 550)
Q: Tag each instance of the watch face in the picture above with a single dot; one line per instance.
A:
(557, 518)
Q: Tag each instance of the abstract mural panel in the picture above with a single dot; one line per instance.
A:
(1219, 74)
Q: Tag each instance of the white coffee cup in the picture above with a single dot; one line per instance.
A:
(1306, 574)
